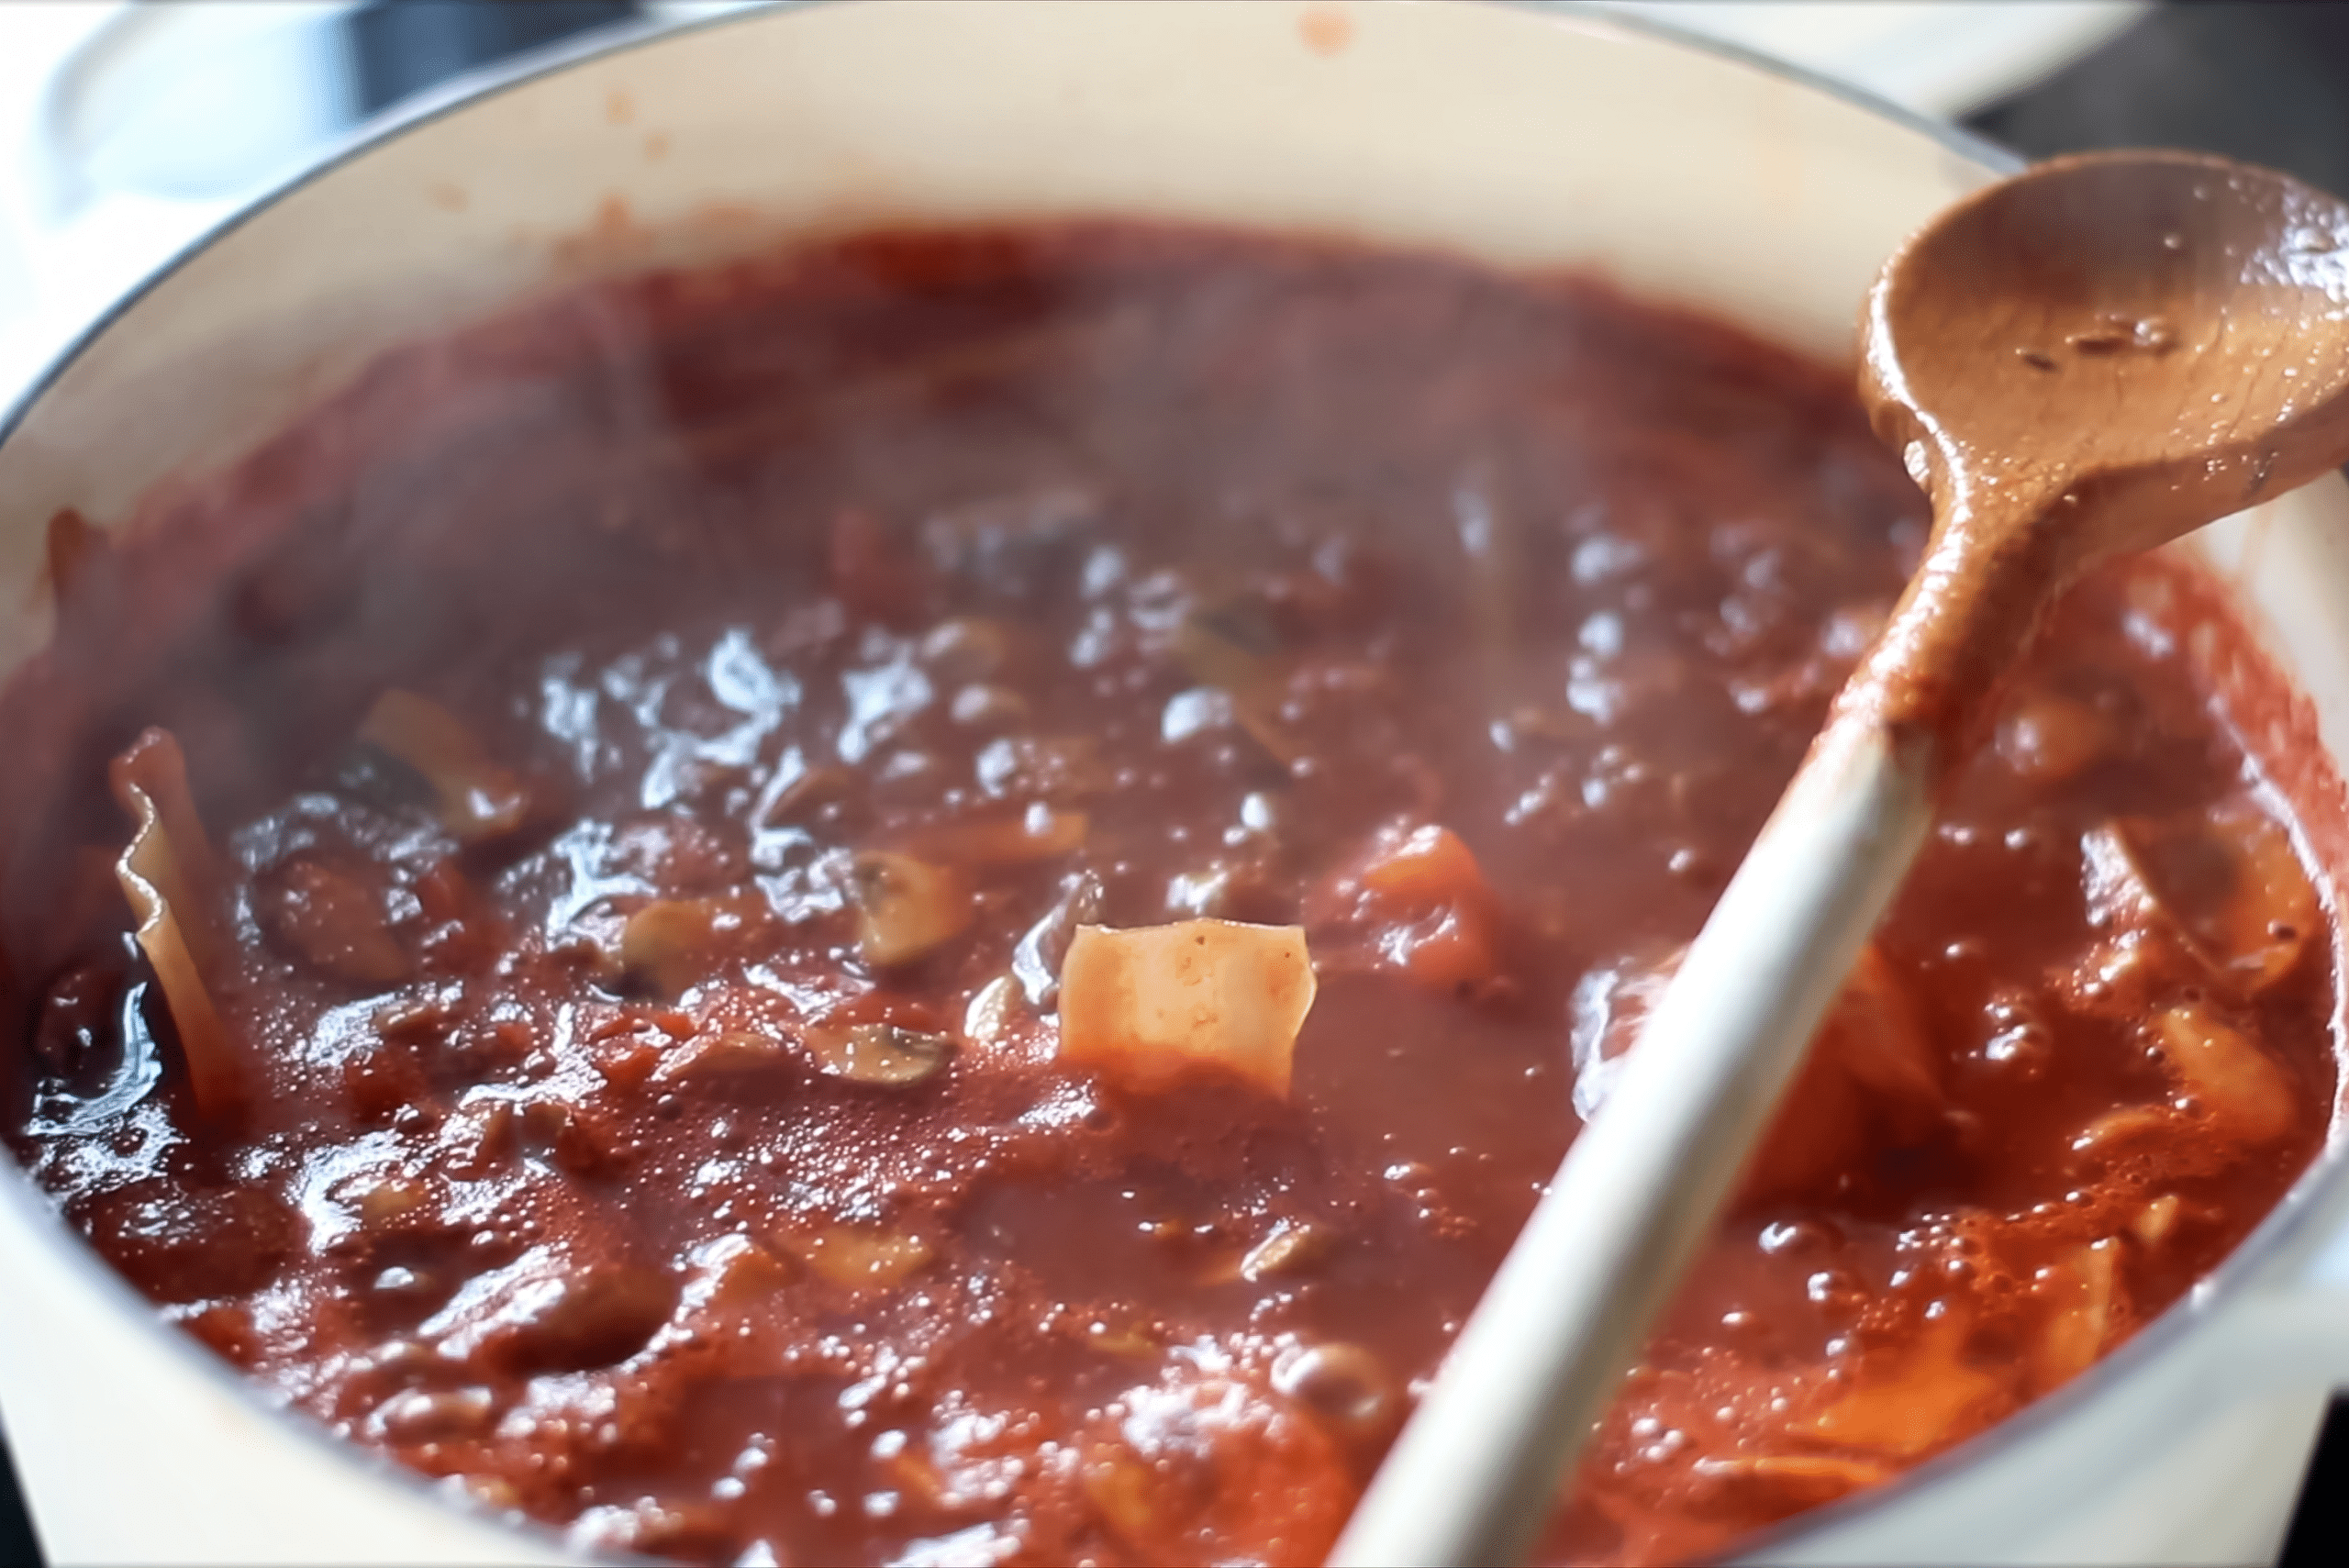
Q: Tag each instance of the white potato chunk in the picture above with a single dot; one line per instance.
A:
(1155, 1004)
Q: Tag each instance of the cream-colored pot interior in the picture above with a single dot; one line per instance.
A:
(1528, 137)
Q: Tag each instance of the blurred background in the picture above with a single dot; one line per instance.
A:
(128, 129)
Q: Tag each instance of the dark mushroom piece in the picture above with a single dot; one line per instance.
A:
(887, 1055)
(906, 908)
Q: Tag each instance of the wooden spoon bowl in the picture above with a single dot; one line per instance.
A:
(2185, 348)
(2092, 357)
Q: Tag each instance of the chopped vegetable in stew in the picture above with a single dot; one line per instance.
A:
(941, 898)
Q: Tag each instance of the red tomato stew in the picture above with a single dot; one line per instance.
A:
(941, 898)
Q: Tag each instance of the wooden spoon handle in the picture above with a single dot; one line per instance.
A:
(1475, 1472)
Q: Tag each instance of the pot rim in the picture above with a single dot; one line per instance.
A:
(2257, 1253)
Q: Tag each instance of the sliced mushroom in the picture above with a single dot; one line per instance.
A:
(719, 1055)
(2228, 881)
(1350, 1389)
(987, 1017)
(2268, 914)
(1233, 647)
(479, 799)
(906, 908)
(883, 1054)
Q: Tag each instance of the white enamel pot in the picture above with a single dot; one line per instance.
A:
(1528, 136)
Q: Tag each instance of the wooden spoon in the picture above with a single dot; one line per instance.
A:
(2092, 357)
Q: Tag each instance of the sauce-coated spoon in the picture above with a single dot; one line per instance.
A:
(2092, 357)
